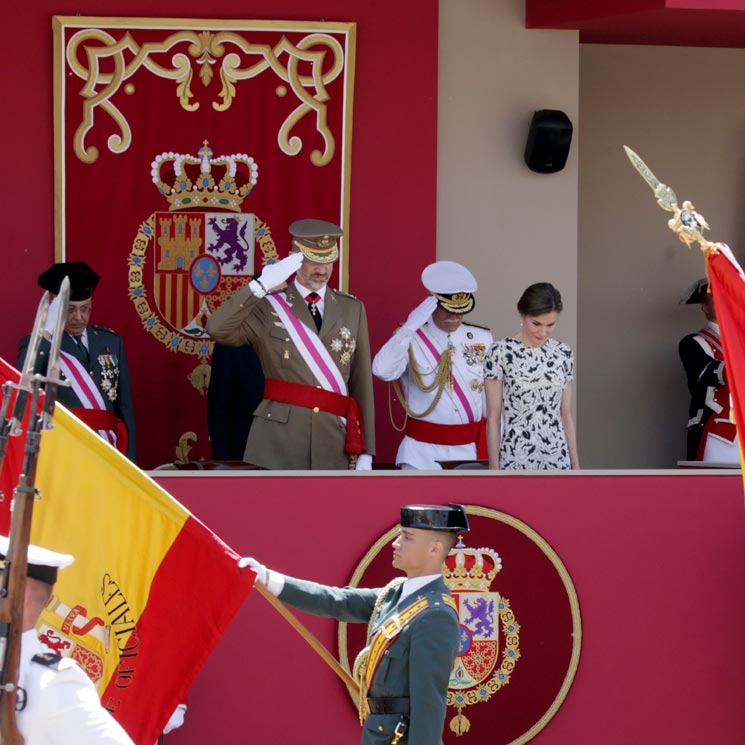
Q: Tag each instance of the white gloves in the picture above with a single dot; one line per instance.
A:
(364, 462)
(274, 276)
(273, 581)
(421, 314)
(176, 720)
(52, 317)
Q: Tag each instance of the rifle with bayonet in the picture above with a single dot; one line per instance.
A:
(13, 578)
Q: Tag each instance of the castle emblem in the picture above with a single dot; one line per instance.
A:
(188, 260)
(489, 634)
(68, 632)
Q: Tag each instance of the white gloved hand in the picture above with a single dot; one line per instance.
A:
(364, 462)
(262, 573)
(176, 719)
(273, 581)
(275, 276)
(421, 314)
(52, 317)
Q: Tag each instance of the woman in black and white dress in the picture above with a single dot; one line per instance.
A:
(528, 380)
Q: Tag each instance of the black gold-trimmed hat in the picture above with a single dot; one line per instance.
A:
(43, 564)
(697, 293)
(317, 240)
(83, 280)
(435, 517)
(453, 286)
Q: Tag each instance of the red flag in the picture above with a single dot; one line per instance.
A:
(727, 284)
(152, 589)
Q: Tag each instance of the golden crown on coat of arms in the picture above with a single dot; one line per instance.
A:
(471, 568)
(204, 181)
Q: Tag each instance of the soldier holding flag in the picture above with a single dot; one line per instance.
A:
(413, 631)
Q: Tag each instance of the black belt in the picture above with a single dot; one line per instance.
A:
(389, 705)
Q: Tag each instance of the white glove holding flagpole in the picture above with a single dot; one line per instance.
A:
(274, 276)
(273, 581)
(421, 314)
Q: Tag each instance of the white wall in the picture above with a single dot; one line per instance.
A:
(683, 111)
(509, 225)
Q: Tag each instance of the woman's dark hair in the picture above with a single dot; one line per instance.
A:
(540, 298)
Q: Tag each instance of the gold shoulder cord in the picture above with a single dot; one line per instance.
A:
(443, 377)
(360, 662)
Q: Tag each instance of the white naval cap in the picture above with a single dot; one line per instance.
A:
(42, 563)
(452, 284)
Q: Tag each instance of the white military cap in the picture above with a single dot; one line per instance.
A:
(42, 563)
(452, 284)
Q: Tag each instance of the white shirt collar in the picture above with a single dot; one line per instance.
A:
(83, 337)
(410, 586)
(304, 291)
(714, 326)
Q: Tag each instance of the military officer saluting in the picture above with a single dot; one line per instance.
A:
(92, 358)
(439, 360)
(413, 631)
(57, 704)
(317, 411)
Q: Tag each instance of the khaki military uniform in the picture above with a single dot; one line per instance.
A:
(284, 436)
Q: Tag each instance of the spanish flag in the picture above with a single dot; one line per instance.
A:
(727, 284)
(151, 590)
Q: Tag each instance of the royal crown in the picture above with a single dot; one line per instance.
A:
(471, 568)
(194, 181)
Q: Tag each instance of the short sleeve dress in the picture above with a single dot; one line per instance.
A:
(533, 380)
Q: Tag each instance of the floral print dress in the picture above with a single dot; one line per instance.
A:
(533, 380)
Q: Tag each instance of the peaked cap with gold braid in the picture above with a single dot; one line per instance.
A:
(317, 240)
(453, 286)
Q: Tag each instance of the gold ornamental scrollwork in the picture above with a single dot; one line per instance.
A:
(105, 64)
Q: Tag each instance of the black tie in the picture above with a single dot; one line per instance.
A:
(82, 351)
(313, 298)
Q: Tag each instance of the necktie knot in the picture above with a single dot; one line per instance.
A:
(312, 298)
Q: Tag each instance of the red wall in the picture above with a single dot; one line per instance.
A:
(393, 160)
(658, 562)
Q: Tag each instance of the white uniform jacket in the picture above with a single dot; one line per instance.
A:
(392, 362)
(62, 705)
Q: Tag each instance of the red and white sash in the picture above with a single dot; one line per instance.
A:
(85, 389)
(309, 345)
(459, 385)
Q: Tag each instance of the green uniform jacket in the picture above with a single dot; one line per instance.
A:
(417, 664)
(294, 437)
(105, 350)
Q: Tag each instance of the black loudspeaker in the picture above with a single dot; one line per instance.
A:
(548, 142)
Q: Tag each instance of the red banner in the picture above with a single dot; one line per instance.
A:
(184, 149)
(728, 287)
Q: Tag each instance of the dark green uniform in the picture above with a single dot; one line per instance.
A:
(417, 664)
(105, 361)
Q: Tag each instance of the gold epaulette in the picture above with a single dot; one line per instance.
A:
(450, 602)
(477, 326)
(346, 294)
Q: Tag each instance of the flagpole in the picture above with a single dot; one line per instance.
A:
(325, 655)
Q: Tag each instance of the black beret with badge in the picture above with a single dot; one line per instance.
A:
(453, 286)
(435, 517)
(83, 279)
(317, 240)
